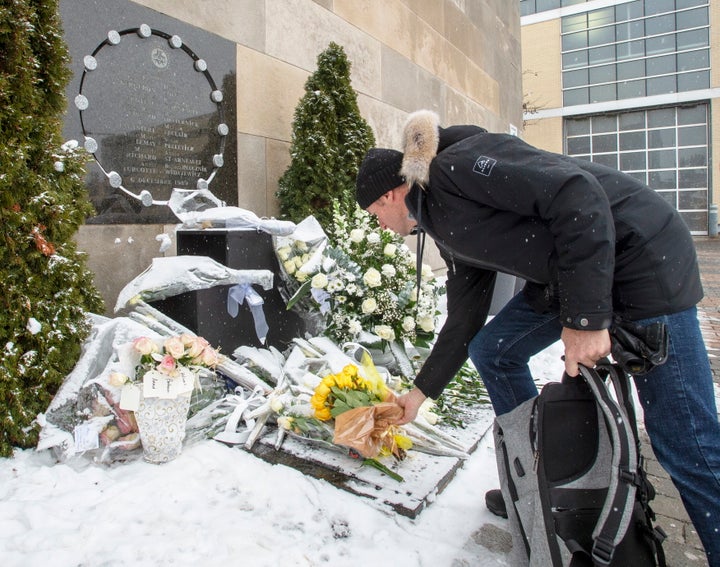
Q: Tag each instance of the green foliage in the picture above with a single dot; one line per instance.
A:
(329, 140)
(46, 287)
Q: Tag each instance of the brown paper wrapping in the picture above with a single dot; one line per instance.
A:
(368, 429)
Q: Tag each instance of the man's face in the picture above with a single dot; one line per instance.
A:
(392, 213)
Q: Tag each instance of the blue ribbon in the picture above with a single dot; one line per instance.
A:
(322, 297)
(245, 292)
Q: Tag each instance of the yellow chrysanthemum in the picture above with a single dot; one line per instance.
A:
(318, 402)
(323, 414)
(322, 390)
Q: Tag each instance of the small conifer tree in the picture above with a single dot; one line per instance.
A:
(46, 288)
(329, 140)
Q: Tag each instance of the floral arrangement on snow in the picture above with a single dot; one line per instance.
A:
(363, 283)
(168, 367)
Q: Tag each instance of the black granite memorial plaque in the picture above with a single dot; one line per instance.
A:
(153, 99)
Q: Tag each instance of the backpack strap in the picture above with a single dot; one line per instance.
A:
(617, 510)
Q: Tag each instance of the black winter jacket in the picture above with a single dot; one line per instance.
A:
(589, 240)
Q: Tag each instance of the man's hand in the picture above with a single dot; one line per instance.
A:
(584, 347)
(410, 403)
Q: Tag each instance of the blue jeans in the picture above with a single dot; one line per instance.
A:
(677, 398)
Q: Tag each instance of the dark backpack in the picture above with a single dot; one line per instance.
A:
(572, 476)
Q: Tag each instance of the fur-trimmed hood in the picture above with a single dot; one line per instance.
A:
(422, 139)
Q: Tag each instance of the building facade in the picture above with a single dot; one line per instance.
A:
(628, 83)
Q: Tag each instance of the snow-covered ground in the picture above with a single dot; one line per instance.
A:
(217, 505)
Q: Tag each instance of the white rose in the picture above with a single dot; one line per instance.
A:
(427, 323)
(300, 245)
(285, 422)
(390, 249)
(408, 324)
(357, 235)
(372, 278)
(373, 238)
(289, 266)
(384, 332)
(427, 273)
(369, 306)
(276, 405)
(388, 270)
(319, 281)
(284, 253)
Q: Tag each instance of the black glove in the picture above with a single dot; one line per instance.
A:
(636, 348)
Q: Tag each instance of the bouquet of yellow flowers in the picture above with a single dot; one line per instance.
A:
(364, 411)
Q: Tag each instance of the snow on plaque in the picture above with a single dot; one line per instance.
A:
(151, 114)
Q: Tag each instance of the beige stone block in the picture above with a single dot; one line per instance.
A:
(482, 88)
(432, 12)
(241, 21)
(430, 50)
(385, 120)
(389, 21)
(431, 93)
(118, 253)
(299, 30)
(277, 161)
(267, 95)
(252, 174)
(400, 80)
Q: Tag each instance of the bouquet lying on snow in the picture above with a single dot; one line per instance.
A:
(326, 396)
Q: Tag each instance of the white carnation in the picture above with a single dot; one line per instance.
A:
(388, 270)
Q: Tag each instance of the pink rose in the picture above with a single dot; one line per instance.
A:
(208, 357)
(167, 365)
(196, 347)
(174, 347)
(145, 345)
(187, 339)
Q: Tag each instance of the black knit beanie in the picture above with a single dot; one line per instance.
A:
(379, 173)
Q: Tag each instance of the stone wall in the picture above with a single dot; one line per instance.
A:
(460, 58)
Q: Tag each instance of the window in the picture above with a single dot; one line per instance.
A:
(666, 148)
(635, 49)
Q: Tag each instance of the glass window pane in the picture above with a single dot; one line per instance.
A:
(632, 160)
(692, 178)
(601, 55)
(606, 159)
(661, 85)
(660, 44)
(572, 2)
(604, 143)
(602, 93)
(693, 60)
(575, 59)
(575, 96)
(661, 117)
(692, 199)
(694, 38)
(632, 140)
(543, 5)
(669, 196)
(631, 89)
(692, 18)
(696, 222)
(692, 136)
(574, 23)
(577, 78)
(631, 120)
(575, 40)
(693, 81)
(659, 6)
(630, 49)
(661, 159)
(664, 138)
(663, 179)
(692, 114)
(631, 70)
(526, 8)
(601, 36)
(607, 123)
(689, 3)
(601, 17)
(692, 157)
(602, 74)
(575, 126)
(580, 145)
(660, 24)
(660, 65)
(629, 11)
